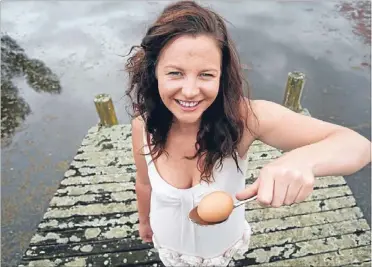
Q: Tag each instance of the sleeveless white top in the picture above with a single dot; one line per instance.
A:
(179, 241)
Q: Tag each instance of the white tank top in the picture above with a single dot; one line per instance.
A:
(180, 241)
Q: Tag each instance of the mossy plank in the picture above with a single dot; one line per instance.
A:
(341, 257)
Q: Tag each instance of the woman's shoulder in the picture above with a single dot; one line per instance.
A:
(138, 126)
(259, 114)
(256, 106)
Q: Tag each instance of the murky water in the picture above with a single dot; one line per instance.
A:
(56, 58)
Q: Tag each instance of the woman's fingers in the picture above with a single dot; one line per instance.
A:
(249, 191)
(293, 188)
(306, 189)
(282, 186)
(266, 188)
(280, 192)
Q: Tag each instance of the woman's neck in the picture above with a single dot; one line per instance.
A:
(186, 128)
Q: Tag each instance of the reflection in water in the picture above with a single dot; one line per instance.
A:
(359, 13)
(15, 63)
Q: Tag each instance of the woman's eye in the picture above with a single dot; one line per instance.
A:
(174, 73)
(206, 75)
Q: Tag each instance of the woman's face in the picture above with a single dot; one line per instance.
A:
(188, 74)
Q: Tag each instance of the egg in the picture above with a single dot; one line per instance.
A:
(215, 207)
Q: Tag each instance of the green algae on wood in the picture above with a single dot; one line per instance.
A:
(293, 91)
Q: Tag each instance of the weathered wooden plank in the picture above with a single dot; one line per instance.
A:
(120, 142)
(316, 218)
(127, 174)
(103, 159)
(301, 208)
(314, 232)
(307, 248)
(125, 192)
(85, 248)
(83, 235)
(106, 145)
(318, 194)
(92, 209)
(122, 134)
(298, 230)
(127, 197)
(53, 224)
(329, 181)
(263, 155)
(361, 264)
(254, 148)
(99, 179)
(257, 164)
(101, 188)
(134, 258)
(339, 257)
(62, 224)
(256, 212)
(115, 134)
(89, 171)
(279, 237)
(67, 262)
(270, 256)
(124, 142)
(87, 186)
(85, 230)
(125, 157)
(308, 233)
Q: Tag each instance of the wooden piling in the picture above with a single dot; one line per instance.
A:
(293, 91)
(105, 109)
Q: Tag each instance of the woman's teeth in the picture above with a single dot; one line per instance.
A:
(188, 104)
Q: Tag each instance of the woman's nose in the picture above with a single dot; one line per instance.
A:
(190, 88)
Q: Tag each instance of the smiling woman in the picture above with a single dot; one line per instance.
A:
(192, 129)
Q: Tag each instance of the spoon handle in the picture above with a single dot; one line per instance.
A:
(239, 203)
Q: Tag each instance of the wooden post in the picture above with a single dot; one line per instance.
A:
(293, 91)
(105, 109)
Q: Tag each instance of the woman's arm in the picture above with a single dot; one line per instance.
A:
(327, 149)
(143, 186)
(313, 148)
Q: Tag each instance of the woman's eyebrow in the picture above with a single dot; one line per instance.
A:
(173, 66)
(204, 70)
(179, 68)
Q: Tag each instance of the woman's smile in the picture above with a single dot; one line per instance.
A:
(188, 105)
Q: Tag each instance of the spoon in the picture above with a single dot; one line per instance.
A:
(195, 218)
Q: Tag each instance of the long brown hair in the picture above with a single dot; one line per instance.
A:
(222, 125)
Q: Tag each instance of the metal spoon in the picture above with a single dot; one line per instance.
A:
(194, 216)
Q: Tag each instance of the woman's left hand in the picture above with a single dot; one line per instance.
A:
(280, 183)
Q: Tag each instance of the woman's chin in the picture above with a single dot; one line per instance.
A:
(187, 118)
(188, 121)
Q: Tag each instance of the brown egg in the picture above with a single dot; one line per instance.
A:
(215, 207)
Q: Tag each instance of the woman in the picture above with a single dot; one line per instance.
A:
(192, 130)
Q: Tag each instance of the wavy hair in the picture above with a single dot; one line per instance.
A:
(222, 125)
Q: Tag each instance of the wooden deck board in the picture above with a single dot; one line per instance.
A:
(92, 218)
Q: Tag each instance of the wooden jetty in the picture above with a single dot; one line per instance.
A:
(92, 218)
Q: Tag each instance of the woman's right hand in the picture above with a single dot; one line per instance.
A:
(145, 231)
